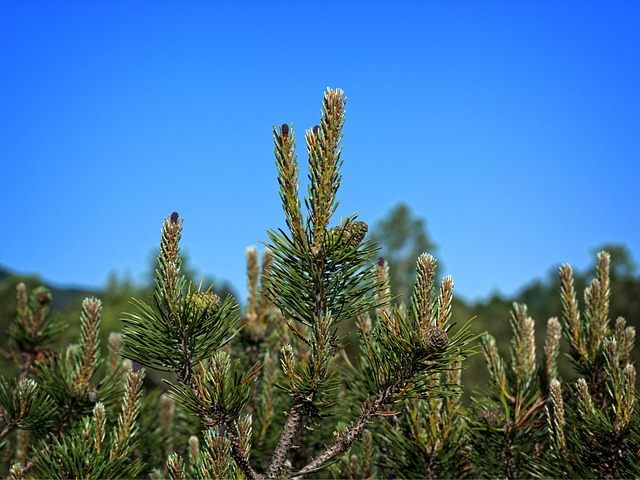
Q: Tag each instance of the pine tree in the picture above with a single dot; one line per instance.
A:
(58, 419)
(315, 276)
(594, 421)
(531, 423)
(229, 377)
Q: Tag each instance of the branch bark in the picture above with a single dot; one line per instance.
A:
(239, 457)
(369, 410)
(291, 427)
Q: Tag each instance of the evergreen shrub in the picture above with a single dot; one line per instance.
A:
(270, 391)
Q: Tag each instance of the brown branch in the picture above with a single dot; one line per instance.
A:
(507, 452)
(369, 410)
(291, 427)
(538, 403)
(11, 426)
(237, 453)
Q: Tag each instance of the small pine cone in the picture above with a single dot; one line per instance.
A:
(355, 233)
(206, 301)
(436, 339)
(315, 130)
(174, 217)
(43, 295)
(284, 129)
(491, 417)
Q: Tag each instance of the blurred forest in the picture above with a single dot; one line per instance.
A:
(402, 236)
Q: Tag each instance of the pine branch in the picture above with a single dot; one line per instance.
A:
(89, 343)
(318, 277)
(287, 164)
(181, 332)
(24, 405)
(323, 147)
(290, 429)
(33, 329)
(127, 429)
(369, 411)
(551, 351)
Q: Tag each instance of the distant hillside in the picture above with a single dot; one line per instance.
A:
(62, 296)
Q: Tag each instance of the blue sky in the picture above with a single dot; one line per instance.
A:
(513, 128)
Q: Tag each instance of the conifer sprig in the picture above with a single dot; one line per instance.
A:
(183, 331)
(523, 355)
(555, 415)
(409, 346)
(183, 325)
(320, 275)
(407, 356)
(23, 405)
(287, 164)
(504, 423)
(91, 451)
(495, 365)
(89, 344)
(587, 335)
(33, 330)
(126, 429)
(551, 351)
(323, 147)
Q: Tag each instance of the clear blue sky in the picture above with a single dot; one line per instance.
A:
(513, 128)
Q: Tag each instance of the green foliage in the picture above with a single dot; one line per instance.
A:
(25, 406)
(504, 423)
(90, 451)
(55, 415)
(314, 277)
(183, 325)
(528, 424)
(594, 425)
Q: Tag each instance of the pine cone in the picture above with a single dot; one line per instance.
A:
(354, 234)
(205, 301)
(491, 417)
(436, 339)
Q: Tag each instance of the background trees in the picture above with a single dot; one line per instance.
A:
(403, 236)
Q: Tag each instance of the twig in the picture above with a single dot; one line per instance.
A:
(291, 427)
(538, 403)
(370, 409)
